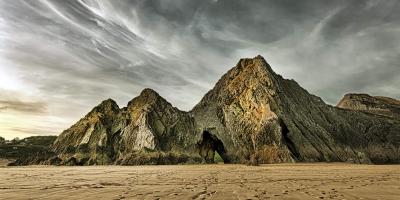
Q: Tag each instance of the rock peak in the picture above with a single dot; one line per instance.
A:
(149, 93)
(258, 64)
(108, 105)
(259, 57)
(371, 104)
(147, 96)
(356, 95)
(108, 101)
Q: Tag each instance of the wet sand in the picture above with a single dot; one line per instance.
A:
(281, 181)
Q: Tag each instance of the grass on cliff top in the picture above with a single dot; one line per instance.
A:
(26, 147)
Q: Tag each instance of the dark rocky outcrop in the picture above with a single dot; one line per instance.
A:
(30, 150)
(378, 105)
(147, 131)
(260, 116)
(251, 115)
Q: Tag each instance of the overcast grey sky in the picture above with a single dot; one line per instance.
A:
(60, 58)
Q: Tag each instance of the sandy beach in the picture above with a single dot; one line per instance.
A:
(279, 181)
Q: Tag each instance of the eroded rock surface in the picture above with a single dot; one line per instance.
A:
(145, 131)
(251, 115)
(379, 105)
(260, 116)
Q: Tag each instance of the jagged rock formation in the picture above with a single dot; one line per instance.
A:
(251, 115)
(379, 105)
(135, 134)
(259, 115)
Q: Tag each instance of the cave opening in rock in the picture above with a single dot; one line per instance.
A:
(289, 143)
(212, 149)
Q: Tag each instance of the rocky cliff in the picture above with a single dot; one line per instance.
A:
(148, 131)
(260, 116)
(251, 115)
(378, 105)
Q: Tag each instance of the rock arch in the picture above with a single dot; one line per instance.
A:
(208, 145)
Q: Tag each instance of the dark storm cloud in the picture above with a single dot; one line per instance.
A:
(76, 53)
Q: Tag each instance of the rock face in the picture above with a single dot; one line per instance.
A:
(251, 115)
(136, 134)
(384, 106)
(259, 115)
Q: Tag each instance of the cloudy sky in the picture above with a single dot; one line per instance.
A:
(58, 59)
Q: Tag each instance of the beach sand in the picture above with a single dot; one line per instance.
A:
(219, 181)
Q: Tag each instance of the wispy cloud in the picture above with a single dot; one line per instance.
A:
(73, 54)
(24, 107)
